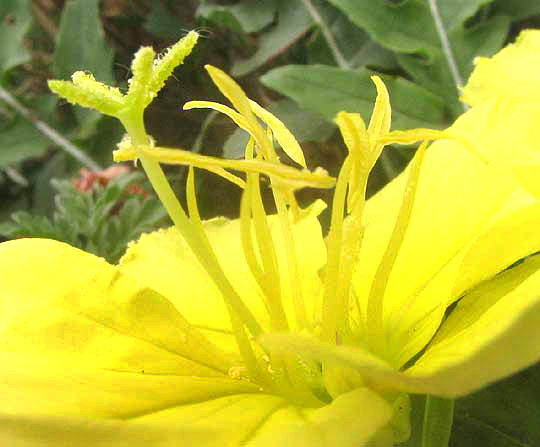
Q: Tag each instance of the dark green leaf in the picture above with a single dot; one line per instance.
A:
(484, 39)
(81, 45)
(162, 23)
(518, 9)
(293, 22)
(356, 46)
(15, 20)
(20, 140)
(455, 13)
(433, 73)
(81, 42)
(405, 26)
(246, 16)
(408, 27)
(506, 414)
(101, 220)
(328, 90)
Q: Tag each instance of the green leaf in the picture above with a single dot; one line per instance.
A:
(162, 23)
(293, 22)
(328, 90)
(102, 220)
(23, 225)
(303, 124)
(518, 9)
(505, 414)
(20, 140)
(81, 45)
(15, 20)
(482, 40)
(246, 16)
(354, 43)
(405, 26)
(455, 13)
(408, 27)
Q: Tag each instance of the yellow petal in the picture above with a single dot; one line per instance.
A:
(511, 73)
(47, 431)
(81, 339)
(506, 133)
(492, 333)
(512, 237)
(164, 262)
(458, 196)
(283, 135)
(268, 421)
(257, 420)
(527, 176)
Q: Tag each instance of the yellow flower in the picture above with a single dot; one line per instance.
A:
(258, 331)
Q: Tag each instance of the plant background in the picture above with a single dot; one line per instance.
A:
(303, 59)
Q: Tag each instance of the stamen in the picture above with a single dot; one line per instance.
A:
(294, 277)
(191, 199)
(247, 242)
(267, 253)
(333, 304)
(234, 93)
(285, 176)
(413, 136)
(381, 117)
(356, 138)
(244, 345)
(238, 119)
(199, 245)
(285, 138)
(268, 278)
(375, 310)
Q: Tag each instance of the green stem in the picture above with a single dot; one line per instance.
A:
(438, 418)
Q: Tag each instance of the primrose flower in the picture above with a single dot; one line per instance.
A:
(259, 331)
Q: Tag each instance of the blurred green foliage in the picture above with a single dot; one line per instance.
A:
(303, 59)
(97, 214)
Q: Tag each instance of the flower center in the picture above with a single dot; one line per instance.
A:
(299, 380)
(279, 280)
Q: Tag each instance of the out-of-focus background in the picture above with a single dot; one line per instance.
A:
(304, 60)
